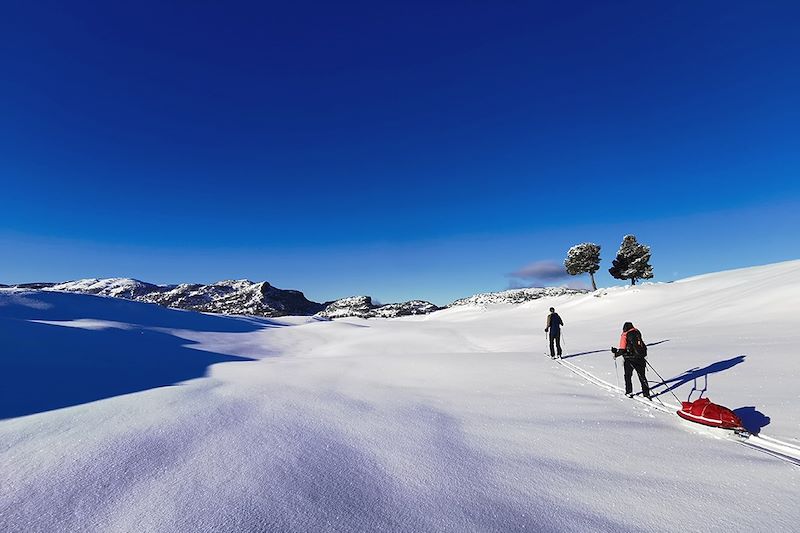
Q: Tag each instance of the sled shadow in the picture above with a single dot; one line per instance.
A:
(120, 347)
(696, 373)
(752, 419)
(607, 350)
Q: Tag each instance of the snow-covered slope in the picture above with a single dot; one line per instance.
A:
(453, 421)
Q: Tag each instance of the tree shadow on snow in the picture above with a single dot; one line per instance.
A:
(696, 373)
(47, 366)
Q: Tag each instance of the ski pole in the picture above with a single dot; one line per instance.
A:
(664, 381)
(616, 371)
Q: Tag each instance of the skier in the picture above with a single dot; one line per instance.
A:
(553, 325)
(633, 351)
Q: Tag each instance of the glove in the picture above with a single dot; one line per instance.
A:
(545, 330)
(614, 351)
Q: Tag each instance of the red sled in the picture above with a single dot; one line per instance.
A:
(704, 412)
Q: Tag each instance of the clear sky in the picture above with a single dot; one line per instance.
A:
(398, 149)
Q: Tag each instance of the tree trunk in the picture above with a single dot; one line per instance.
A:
(594, 285)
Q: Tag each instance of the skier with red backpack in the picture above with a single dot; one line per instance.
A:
(633, 351)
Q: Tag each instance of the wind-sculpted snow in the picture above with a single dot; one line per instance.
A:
(454, 421)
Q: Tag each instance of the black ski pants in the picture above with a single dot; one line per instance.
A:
(640, 365)
(555, 337)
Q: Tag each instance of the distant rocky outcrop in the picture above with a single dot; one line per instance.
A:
(356, 306)
(516, 296)
(412, 307)
(363, 307)
(239, 297)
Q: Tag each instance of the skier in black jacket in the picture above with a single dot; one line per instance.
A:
(633, 351)
(553, 325)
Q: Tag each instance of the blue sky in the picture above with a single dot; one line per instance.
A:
(399, 149)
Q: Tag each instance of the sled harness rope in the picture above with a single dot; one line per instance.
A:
(659, 377)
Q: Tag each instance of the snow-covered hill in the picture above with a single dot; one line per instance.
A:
(123, 416)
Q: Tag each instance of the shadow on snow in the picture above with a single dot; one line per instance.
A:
(752, 419)
(696, 373)
(608, 350)
(46, 367)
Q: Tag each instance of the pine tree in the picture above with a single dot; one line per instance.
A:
(632, 262)
(583, 258)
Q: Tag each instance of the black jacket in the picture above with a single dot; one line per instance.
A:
(554, 324)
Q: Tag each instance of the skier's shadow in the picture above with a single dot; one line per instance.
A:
(695, 373)
(606, 350)
(583, 353)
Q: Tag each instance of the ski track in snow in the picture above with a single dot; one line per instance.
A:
(446, 422)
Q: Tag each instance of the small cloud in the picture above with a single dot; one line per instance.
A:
(541, 274)
(577, 284)
(519, 284)
(541, 271)
(571, 284)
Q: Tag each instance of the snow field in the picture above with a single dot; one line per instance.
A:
(454, 421)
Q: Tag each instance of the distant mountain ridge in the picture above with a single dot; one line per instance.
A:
(231, 297)
(245, 297)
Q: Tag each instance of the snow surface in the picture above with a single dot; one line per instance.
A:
(454, 421)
